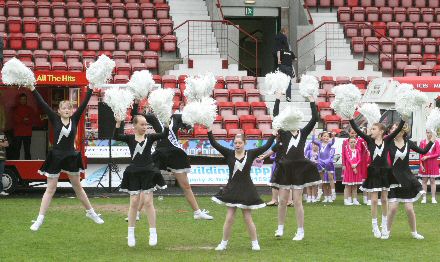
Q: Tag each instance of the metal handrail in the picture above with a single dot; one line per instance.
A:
(306, 7)
(368, 25)
(227, 22)
(220, 7)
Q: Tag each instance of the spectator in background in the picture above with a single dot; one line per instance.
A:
(3, 145)
(285, 61)
(280, 42)
(22, 120)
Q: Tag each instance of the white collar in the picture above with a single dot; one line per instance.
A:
(65, 131)
(294, 141)
(239, 165)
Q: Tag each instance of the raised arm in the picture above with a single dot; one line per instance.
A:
(394, 134)
(413, 146)
(311, 124)
(359, 131)
(82, 107)
(159, 136)
(276, 107)
(260, 150)
(154, 122)
(223, 150)
(119, 135)
(46, 108)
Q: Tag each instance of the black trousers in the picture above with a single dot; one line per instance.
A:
(26, 141)
(288, 70)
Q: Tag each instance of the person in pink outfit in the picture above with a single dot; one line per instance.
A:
(352, 177)
(429, 169)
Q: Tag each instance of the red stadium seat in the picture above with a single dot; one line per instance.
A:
(252, 133)
(154, 43)
(109, 42)
(221, 95)
(40, 55)
(165, 26)
(436, 70)
(56, 56)
(30, 24)
(434, 30)
(237, 95)
(28, 8)
(88, 56)
(42, 66)
(358, 44)
(351, 30)
(407, 29)
(225, 108)
(124, 42)
(47, 41)
(218, 123)
(24, 55)
(220, 133)
(327, 83)
(8, 54)
(139, 42)
(60, 25)
(425, 70)
(94, 42)
(372, 44)
(91, 25)
(200, 132)
(151, 26)
(344, 14)
(433, 3)
(386, 13)
(169, 81)
(78, 41)
(123, 69)
(415, 45)
(352, 3)
(72, 56)
(157, 79)
(162, 11)
(429, 45)
(88, 9)
(360, 82)
(118, 10)
(233, 132)
(249, 82)
(147, 10)
(120, 79)
(421, 29)
(220, 82)
(264, 122)
(138, 67)
(232, 82)
(400, 61)
(340, 80)
(358, 14)
(120, 56)
(332, 122)
(132, 10)
(372, 13)
(399, 13)
(427, 15)
(106, 25)
(258, 108)
(151, 59)
(43, 9)
(393, 29)
(3, 24)
(430, 59)
(14, 24)
(247, 122)
(415, 60)
(58, 9)
(401, 45)
(253, 95)
(73, 9)
(134, 57)
(324, 109)
(32, 41)
(103, 10)
(121, 26)
(386, 46)
(29, 64)
(413, 14)
(76, 25)
(59, 66)
(135, 26)
(16, 41)
(242, 108)
(169, 43)
(231, 122)
(62, 41)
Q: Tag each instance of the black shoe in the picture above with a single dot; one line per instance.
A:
(288, 99)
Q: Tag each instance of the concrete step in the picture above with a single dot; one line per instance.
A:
(220, 72)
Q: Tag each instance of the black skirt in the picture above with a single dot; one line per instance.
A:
(295, 174)
(239, 192)
(410, 190)
(171, 160)
(137, 179)
(57, 161)
(379, 179)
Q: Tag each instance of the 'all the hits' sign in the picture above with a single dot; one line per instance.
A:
(64, 78)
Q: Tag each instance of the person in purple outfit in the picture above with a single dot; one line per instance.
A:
(326, 166)
(312, 155)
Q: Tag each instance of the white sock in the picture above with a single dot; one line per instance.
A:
(334, 191)
(40, 218)
(153, 231)
(349, 199)
(281, 227)
(355, 199)
(365, 199)
(198, 211)
(255, 242)
(374, 221)
(90, 211)
(138, 214)
(300, 230)
(224, 243)
(384, 220)
(130, 231)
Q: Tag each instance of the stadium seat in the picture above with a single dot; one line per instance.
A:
(247, 122)
(154, 43)
(139, 42)
(88, 56)
(28, 9)
(94, 42)
(73, 9)
(429, 45)
(407, 29)
(42, 66)
(24, 55)
(120, 79)
(242, 108)
(88, 9)
(147, 10)
(258, 108)
(225, 108)
(233, 132)
(401, 45)
(124, 42)
(427, 15)
(425, 70)
(123, 69)
(372, 13)
(221, 95)
(136, 26)
(132, 10)
(169, 43)
(413, 14)
(162, 11)
(421, 29)
(30, 24)
(220, 133)
(220, 82)
(324, 109)
(253, 95)
(169, 81)
(165, 26)
(332, 122)
(232, 82)
(400, 61)
(103, 10)
(157, 79)
(121, 26)
(415, 45)
(252, 133)
(218, 123)
(237, 95)
(72, 56)
(386, 46)
(415, 59)
(151, 59)
(58, 9)
(430, 59)
(248, 82)
(39, 55)
(108, 42)
(78, 42)
(151, 26)
(31, 41)
(118, 10)
(264, 122)
(62, 41)
(91, 25)
(76, 25)
(358, 44)
(56, 56)
(138, 67)
(231, 121)
(59, 66)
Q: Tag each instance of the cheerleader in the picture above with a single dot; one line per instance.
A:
(380, 177)
(325, 165)
(295, 171)
(410, 189)
(169, 157)
(429, 166)
(239, 192)
(351, 159)
(141, 175)
(63, 157)
(313, 155)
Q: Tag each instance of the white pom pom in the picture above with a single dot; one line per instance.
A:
(161, 101)
(308, 86)
(275, 82)
(193, 115)
(289, 119)
(433, 120)
(371, 112)
(199, 87)
(14, 72)
(347, 97)
(409, 99)
(100, 71)
(141, 84)
(119, 100)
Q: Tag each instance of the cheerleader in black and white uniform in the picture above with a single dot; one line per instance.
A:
(295, 171)
(141, 176)
(380, 177)
(411, 189)
(239, 192)
(63, 157)
(169, 157)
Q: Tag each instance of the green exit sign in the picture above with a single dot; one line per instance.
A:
(249, 11)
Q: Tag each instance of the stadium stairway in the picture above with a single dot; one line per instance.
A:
(211, 61)
(342, 61)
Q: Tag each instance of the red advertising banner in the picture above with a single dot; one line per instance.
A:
(61, 78)
(423, 83)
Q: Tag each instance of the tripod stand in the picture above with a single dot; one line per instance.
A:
(110, 169)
